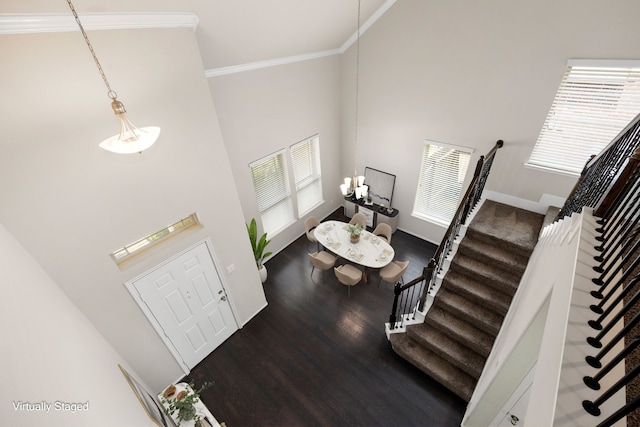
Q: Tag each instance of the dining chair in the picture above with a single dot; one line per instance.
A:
(359, 218)
(393, 272)
(322, 260)
(348, 275)
(309, 225)
(383, 230)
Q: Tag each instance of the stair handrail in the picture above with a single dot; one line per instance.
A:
(404, 306)
(603, 174)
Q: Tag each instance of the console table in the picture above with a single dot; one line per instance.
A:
(380, 214)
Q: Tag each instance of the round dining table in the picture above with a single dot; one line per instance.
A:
(370, 251)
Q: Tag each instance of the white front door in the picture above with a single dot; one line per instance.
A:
(188, 303)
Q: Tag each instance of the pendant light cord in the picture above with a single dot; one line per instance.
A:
(355, 157)
(111, 93)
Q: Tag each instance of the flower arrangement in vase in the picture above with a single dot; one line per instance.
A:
(354, 232)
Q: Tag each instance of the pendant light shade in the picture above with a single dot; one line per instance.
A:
(130, 139)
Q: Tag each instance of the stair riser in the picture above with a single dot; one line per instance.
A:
(514, 266)
(472, 317)
(497, 306)
(507, 285)
(494, 241)
(438, 369)
(458, 359)
(462, 337)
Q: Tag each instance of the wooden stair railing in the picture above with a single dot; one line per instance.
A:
(411, 297)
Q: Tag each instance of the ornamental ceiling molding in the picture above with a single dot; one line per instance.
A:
(57, 23)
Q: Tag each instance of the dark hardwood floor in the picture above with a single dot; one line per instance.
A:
(314, 357)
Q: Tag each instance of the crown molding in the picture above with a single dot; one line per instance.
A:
(222, 71)
(55, 23)
(368, 23)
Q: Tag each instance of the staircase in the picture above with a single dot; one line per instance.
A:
(457, 335)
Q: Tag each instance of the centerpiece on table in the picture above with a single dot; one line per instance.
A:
(354, 232)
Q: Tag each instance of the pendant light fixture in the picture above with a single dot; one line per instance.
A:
(130, 139)
(354, 186)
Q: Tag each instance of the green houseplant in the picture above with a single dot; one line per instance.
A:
(183, 402)
(258, 246)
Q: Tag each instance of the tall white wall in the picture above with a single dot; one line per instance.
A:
(469, 73)
(51, 353)
(70, 203)
(266, 110)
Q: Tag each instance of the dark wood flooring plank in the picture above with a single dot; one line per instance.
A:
(314, 357)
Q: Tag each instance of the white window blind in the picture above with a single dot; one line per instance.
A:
(271, 185)
(595, 101)
(442, 173)
(305, 156)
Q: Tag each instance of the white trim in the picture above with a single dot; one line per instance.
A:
(232, 69)
(55, 23)
(449, 146)
(541, 206)
(129, 284)
(551, 170)
(368, 23)
(604, 63)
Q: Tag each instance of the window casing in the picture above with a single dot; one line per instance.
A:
(595, 101)
(305, 157)
(273, 194)
(442, 172)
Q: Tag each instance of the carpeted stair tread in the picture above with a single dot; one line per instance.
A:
(490, 240)
(469, 311)
(458, 329)
(451, 350)
(488, 274)
(482, 293)
(456, 380)
(483, 252)
(511, 225)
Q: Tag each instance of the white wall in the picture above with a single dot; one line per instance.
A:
(50, 352)
(469, 73)
(70, 203)
(263, 111)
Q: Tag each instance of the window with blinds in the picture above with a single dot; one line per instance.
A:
(305, 157)
(595, 101)
(442, 173)
(271, 185)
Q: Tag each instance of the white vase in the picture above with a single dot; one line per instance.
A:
(262, 271)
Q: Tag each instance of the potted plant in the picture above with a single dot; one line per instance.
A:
(183, 403)
(354, 231)
(258, 246)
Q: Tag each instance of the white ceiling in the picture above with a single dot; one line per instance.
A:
(235, 32)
